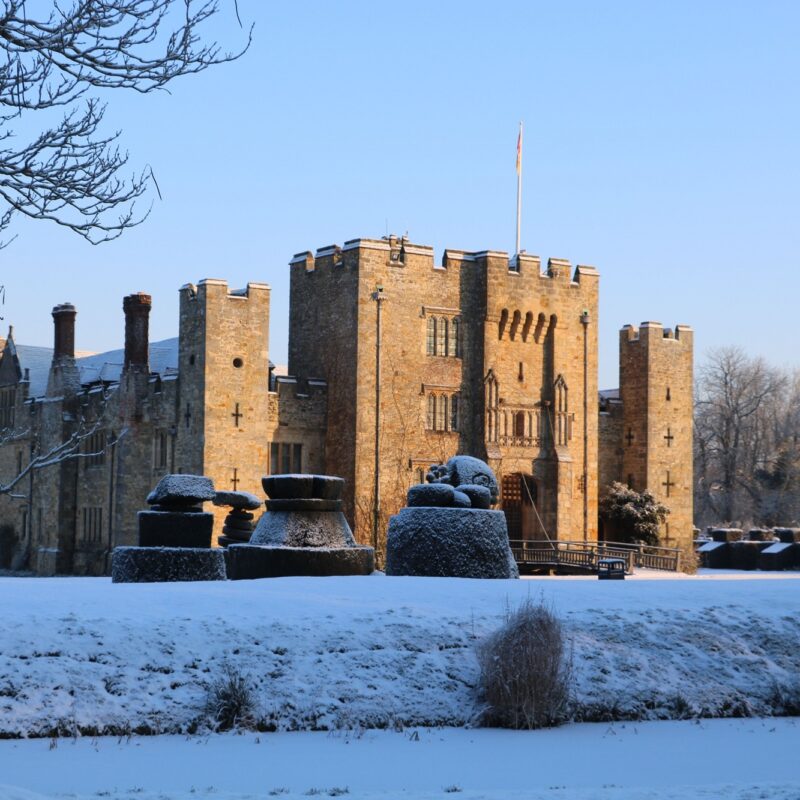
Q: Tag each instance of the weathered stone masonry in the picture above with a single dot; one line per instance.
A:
(481, 354)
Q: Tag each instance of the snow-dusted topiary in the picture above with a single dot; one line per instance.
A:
(461, 470)
(167, 564)
(632, 516)
(449, 543)
(240, 500)
(185, 489)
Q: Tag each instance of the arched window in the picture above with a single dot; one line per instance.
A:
(431, 347)
(454, 413)
(453, 344)
(431, 419)
(441, 413)
(562, 395)
(441, 336)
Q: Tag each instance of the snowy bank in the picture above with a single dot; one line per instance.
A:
(78, 654)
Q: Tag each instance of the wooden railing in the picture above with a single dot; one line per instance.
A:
(585, 555)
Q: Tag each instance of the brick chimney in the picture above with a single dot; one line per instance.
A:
(64, 377)
(64, 325)
(137, 330)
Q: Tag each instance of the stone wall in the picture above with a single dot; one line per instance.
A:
(324, 343)
(543, 361)
(609, 462)
(226, 386)
(297, 420)
(333, 336)
(14, 458)
(656, 389)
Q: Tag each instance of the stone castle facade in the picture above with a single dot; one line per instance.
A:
(478, 354)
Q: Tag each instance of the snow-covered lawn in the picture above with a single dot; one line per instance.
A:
(691, 760)
(81, 653)
(352, 653)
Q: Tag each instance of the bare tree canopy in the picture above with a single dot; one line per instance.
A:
(747, 441)
(53, 55)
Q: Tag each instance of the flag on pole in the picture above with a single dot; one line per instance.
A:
(519, 186)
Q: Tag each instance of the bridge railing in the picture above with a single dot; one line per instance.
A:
(585, 555)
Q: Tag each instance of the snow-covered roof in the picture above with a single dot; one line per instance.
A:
(94, 366)
(37, 360)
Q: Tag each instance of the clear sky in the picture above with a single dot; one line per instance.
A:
(661, 147)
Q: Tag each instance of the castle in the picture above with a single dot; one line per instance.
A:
(478, 354)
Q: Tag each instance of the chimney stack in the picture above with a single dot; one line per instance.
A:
(137, 330)
(64, 324)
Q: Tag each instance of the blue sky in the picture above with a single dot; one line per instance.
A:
(661, 147)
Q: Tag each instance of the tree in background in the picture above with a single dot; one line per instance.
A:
(68, 172)
(630, 516)
(747, 441)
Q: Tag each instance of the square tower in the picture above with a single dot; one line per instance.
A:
(656, 383)
(480, 354)
(223, 416)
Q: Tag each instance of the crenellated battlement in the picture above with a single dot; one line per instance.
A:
(393, 250)
(651, 334)
(216, 287)
(290, 386)
(400, 252)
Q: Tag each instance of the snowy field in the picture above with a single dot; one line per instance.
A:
(334, 658)
(81, 654)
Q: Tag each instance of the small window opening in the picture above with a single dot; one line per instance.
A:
(191, 360)
(238, 363)
(669, 396)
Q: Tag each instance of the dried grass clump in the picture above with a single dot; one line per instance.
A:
(526, 670)
(231, 700)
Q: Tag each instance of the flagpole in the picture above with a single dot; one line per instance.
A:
(519, 186)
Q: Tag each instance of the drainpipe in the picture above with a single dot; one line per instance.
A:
(585, 323)
(113, 445)
(379, 298)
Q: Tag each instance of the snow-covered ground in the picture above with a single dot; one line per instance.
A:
(691, 760)
(322, 653)
(81, 655)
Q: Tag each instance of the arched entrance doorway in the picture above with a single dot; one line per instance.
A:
(519, 497)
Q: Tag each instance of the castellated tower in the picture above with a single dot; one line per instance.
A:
(479, 354)
(223, 403)
(656, 393)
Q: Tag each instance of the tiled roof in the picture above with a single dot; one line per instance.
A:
(96, 366)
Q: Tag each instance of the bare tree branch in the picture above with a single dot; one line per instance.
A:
(747, 426)
(71, 174)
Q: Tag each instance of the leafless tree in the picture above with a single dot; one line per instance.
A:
(55, 56)
(747, 427)
(73, 446)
